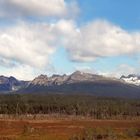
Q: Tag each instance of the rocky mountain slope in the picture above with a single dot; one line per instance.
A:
(83, 83)
(9, 84)
(65, 79)
(75, 83)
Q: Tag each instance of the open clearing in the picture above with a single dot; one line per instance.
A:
(56, 129)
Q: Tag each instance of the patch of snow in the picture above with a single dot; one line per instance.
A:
(132, 80)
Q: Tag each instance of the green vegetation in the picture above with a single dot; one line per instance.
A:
(98, 108)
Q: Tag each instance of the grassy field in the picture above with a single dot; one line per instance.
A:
(74, 128)
(73, 117)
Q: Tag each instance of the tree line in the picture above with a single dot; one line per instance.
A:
(96, 107)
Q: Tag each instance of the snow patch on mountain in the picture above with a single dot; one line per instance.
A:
(131, 79)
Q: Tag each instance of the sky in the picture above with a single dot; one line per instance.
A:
(62, 36)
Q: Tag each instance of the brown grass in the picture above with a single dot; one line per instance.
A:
(57, 128)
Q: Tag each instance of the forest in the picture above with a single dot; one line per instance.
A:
(77, 105)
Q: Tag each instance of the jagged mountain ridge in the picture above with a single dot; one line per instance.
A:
(8, 84)
(75, 83)
(83, 83)
(75, 77)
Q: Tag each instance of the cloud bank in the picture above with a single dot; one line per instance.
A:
(33, 44)
(37, 8)
(29, 46)
(102, 39)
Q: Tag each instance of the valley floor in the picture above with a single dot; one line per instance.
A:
(65, 128)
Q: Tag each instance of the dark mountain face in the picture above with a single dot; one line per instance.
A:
(82, 83)
(8, 84)
(76, 83)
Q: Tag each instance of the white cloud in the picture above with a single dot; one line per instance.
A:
(102, 39)
(31, 45)
(21, 72)
(25, 72)
(123, 69)
(57, 8)
(27, 44)
(86, 69)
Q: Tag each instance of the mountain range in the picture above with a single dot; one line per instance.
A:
(75, 83)
(9, 84)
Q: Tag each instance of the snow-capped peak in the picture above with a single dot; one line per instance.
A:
(131, 79)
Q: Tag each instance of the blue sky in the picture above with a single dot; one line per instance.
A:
(123, 13)
(43, 37)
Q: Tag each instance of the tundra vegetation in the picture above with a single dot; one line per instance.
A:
(107, 134)
(81, 117)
